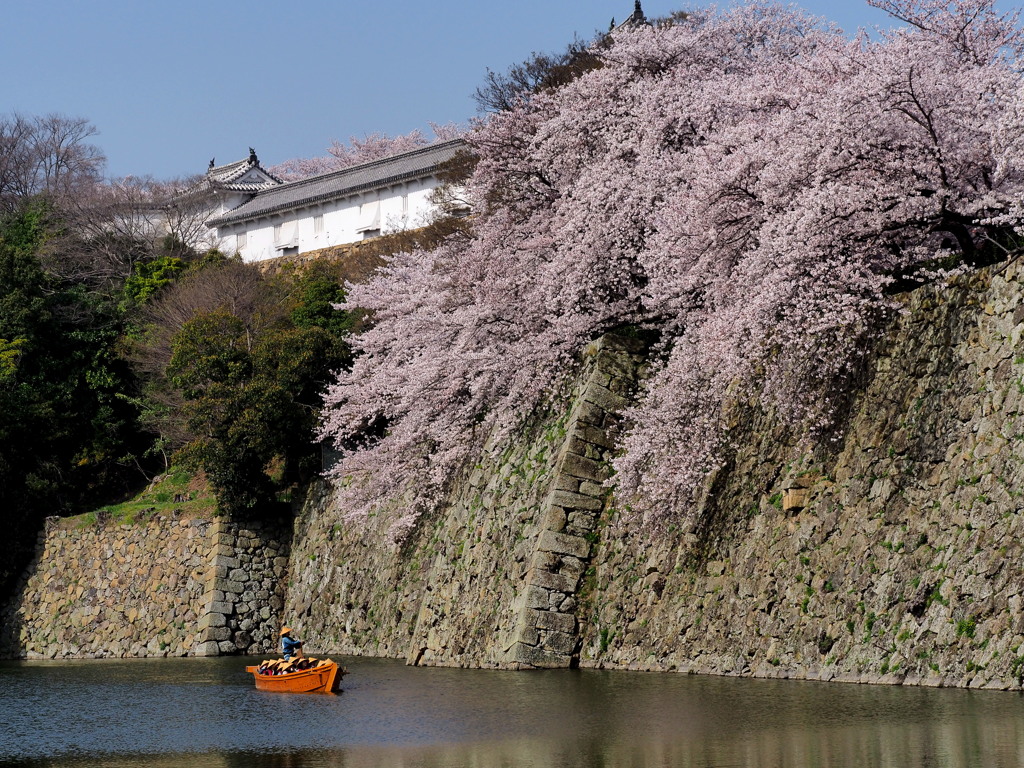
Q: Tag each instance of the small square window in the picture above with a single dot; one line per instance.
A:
(241, 239)
(318, 224)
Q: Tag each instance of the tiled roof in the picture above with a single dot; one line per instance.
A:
(228, 176)
(229, 172)
(337, 184)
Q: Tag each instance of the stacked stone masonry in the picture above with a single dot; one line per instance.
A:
(491, 580)
(894, 556)
(166, 587)
(547, 631)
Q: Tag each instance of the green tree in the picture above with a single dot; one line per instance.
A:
(250, 377)
(66, 427)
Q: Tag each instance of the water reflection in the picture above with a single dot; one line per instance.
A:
(205, 713)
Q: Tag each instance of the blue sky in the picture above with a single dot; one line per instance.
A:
(170, 85)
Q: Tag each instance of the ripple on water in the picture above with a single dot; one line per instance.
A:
(206, 712)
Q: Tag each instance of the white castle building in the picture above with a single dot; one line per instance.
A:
(259, 216)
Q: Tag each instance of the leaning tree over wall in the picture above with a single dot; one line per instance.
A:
(748, 183)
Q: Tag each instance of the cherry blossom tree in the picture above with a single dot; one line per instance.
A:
(748, 183)
(373, 146)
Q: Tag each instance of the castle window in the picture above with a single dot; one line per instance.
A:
(369, 217)
(286, 234)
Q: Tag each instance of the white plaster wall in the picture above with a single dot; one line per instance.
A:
(341, 221)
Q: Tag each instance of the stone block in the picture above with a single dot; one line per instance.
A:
(550, 541)
(228, 587)
(226, 646)
(579, 526)
(239, 574)
(584, 468)
(599, 437)
(212, 620)
(560, 642)
(554, 519)
(545, 561)
(591, 414)
(558, 622)
(574, 501)
(243, 640)
(223, 607)
(208, 648)
(215, 634)
(795, 499)
(536, 597)
(604, 398)
(585, 449)
(571, 566)
(538, 657)
(566, 483)
(553, 581)
(225, 561)
(555, 599)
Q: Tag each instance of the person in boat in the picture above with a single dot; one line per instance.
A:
(289, 645)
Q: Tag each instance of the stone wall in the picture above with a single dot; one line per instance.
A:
(896, 559)
(895, 556)
(166, 587)
(490, 581)
(243, 588)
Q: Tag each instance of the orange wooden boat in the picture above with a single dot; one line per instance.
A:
(323, 678)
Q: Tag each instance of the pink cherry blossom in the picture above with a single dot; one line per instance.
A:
(747, 183)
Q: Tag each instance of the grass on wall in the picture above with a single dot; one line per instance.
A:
(176, 493)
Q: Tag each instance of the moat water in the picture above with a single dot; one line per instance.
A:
(205, 712)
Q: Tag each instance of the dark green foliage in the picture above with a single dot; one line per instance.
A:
(251, 390)
(66, 426)
(236, 366)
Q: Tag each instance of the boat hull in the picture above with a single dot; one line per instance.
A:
(322, 679)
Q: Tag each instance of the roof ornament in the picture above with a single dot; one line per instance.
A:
(635, 20)
(611, 27)
(252, 156)
(211, 162)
